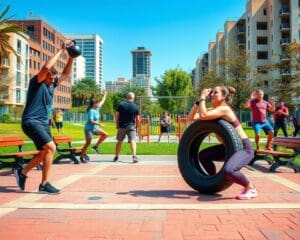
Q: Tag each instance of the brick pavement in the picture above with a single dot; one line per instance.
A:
(148, 200)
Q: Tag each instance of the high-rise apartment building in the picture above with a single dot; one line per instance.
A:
(14, 76)
(78, 69)
(43, 44)
(263, 31)
(141, 68)
(116, 86)
(91, 46)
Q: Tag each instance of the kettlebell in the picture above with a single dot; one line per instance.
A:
(73, 50)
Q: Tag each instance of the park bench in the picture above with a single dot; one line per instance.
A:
(65, 149)
(20, 157)
(280, 158)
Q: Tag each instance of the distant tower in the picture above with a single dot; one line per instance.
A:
(141, 68)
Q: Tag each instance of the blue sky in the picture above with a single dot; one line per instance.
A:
(177, 32)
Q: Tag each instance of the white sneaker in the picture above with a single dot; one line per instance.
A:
(247, 194)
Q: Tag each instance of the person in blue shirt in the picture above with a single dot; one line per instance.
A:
(35, 119)
(92, 127)
(297, 120)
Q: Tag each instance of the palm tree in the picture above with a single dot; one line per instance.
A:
(6, 27)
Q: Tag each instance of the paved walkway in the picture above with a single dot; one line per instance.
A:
(148, 200)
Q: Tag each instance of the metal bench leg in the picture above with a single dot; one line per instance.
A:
(74, 158)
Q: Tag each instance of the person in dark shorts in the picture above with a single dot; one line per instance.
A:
(259, 109)
(165, 122)
(92, 127)
(280, 117)
(221, 98)
(127, 117)
(35, 119)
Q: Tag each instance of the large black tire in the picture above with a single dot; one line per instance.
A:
(188, 149)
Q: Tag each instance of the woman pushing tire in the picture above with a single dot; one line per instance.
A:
(188, 154)
(236, 151)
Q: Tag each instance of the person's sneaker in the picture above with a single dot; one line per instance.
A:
(247, 194)
(83, 159)
(21, 178)
(96, 149)
(116, 158)
(48, 188)
(135, 159)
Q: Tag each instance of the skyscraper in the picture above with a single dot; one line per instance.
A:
(91, 46)
(141, 68)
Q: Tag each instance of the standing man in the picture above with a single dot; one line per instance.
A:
(259, 109)
(280, 118)
(127, 117)
(35, 119)
(297, 120)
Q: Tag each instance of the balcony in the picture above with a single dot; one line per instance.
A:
(241, 31)
(284, 12)
(285, 72)
(4, 63)
(285, 27)
(285, 58)
(284, 41)
(241, 43)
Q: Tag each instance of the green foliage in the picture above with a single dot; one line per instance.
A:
(7, 27)
(108, 107)
(83, 90)
(236, 72)
(174, 82)
(210, 80)
(287, 87)
(5, 118)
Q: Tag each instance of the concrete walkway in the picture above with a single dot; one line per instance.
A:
(148, 200)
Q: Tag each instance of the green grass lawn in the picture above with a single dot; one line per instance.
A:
(75, 130)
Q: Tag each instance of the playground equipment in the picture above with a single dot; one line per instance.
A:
(188, 150)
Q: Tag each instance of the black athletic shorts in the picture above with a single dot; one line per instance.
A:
(39, 133)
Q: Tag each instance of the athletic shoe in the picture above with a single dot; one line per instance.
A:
(83, 159)
(135, 159)
(48, 188)
(247, 194)
(96, 149)
(21, 178)
(116, 158)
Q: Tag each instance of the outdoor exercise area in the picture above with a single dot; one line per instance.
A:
(108, 200)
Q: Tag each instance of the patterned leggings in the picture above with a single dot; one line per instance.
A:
(238, 160)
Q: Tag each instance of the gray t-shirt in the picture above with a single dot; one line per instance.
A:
(39, 102)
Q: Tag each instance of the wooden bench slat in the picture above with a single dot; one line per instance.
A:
(274, 153)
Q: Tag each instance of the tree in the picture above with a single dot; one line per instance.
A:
(287, 87)
(83, 90)
(107, 107)
(236, 72)
(7, 27)
(210, 80)
(174, 82)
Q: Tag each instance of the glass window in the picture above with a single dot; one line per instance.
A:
(265, 11)
(18, 79)
(30, 29)
(262, 26)
(262, 55)
(262, 40)
(18, 95)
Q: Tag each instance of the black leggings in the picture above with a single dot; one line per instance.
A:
(238, 160)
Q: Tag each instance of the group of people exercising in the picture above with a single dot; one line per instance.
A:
(35, 124)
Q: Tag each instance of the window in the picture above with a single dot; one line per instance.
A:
(30, 29)
(18, 79)
(262, 55)
(262, 70)
(262, 26)
(262, 40)
(265, 11)
(248, 44)
(19, 46)
(18, 95)
(266, 83)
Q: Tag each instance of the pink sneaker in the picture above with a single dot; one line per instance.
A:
(247, 194)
